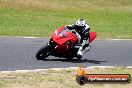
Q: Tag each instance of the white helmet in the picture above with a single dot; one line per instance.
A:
(81, 23)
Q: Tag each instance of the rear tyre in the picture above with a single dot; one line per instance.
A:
(43, 52)
(78, 57)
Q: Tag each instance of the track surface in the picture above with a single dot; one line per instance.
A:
(19, 54)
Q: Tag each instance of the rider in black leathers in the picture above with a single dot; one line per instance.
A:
(83, 32)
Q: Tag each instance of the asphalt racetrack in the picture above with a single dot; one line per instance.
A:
(19, 54)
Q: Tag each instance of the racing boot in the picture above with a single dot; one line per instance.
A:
(81, 49)
(85, 46)
(80, 52)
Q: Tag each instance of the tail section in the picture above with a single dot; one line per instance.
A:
(92, 36)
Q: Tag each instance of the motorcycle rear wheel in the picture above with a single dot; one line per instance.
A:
(43, 52)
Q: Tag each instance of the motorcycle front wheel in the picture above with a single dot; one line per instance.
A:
(43, 52)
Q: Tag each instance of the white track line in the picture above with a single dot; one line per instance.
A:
(59, 69)
(119, 39)
(30, 37)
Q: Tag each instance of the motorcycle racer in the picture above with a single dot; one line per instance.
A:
(82, 30)
(68, 43)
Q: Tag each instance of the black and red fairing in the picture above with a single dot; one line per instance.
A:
(62, 35)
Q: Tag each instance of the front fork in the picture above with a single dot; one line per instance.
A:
(52, 45)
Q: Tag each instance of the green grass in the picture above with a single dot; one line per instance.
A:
(110, 18)
(58, 79)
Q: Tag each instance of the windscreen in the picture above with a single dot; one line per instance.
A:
(64, 33)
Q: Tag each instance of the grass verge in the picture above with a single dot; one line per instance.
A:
(110, 18)
(58, 79)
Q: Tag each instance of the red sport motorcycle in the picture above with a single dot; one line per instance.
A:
(63, 43)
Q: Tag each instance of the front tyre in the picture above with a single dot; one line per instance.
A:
(43, 52)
